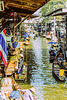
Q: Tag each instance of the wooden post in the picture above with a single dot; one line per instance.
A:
(66, 32)
(54, 27)
(14, 23)
(66, 41)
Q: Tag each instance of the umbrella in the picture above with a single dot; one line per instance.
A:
(25, 35)
(52, 42)
(16, 45)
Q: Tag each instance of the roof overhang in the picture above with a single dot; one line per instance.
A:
(57, 12)
(22, 7)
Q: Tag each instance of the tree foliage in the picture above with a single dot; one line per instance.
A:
(51, 6)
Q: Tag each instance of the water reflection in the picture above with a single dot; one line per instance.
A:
(39, 72)
(39, 69)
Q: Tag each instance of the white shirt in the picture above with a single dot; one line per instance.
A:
(27, 95)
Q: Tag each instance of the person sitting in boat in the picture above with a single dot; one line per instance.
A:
(60, 55)
(60, 48)
(28, 93)
(51, 49)
(20, 64)
(52, 56)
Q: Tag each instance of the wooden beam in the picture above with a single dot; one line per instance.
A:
(25, 2)
(20, 23)
(19, 10)
(22, 20)
(22, 6)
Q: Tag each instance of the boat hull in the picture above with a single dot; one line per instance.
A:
(55, 73)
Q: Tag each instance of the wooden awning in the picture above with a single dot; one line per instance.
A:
(23, 7)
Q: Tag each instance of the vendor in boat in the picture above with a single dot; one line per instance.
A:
(20, 64)
(52, 56)
(60, 48)
(51, 49)
(60, 55)
(28, 93)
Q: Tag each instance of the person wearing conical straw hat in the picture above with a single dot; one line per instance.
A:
(28, 93)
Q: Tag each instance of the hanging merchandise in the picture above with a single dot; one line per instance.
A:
(1, 6)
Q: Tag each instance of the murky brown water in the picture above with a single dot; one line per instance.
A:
(39, 73)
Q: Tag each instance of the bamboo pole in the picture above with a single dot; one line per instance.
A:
(21, 21)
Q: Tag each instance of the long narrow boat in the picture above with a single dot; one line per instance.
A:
(12, 51)
(26, 42)
(23, 75)
(63, 65)
(8, 86)
(17, 87)
(10, 90)
(48, 37)
(28, 38)
(54, 45)
(55, 72)
(44, 36)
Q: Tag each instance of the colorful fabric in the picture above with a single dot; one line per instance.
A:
(15, 94)
(3, 47)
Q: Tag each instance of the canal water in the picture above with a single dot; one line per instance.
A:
(39, 72)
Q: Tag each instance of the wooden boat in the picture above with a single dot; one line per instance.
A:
(8, 85)
(23, 75)
(54, 45)
(59, 56)
(48, 37)
(21, 45)
(63, 65)
(55, 72)
(11, 70)
(26, 42)
(2, 72)
(28, 38)
(12, 51)
(43, 35)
